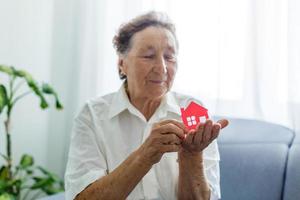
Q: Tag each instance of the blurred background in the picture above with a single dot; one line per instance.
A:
(240, 57)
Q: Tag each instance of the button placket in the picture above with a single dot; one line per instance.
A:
(150, 189)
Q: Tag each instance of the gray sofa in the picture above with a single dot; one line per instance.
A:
(292, 182)
(259, 161)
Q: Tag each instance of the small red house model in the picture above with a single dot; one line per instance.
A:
(193, 114)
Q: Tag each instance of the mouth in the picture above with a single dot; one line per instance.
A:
(157, 81)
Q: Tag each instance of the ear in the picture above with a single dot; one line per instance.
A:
(121, 65)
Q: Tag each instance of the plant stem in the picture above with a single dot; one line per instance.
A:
(7, 127)
(8, 145)
(18, 86)
(21, 96)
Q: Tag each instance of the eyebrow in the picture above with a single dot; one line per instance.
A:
(172, 49)
(150, 47)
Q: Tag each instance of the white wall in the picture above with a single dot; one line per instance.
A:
(64, 76)
(42, 38)
(25, 41)
(38, 36)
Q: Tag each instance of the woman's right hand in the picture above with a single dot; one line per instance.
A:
(165, 136)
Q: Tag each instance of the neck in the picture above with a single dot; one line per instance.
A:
(146, 105)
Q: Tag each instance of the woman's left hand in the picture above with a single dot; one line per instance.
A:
(197, 140)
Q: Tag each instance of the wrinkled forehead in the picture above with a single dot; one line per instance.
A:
(153, 38)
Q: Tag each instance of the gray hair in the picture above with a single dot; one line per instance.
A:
(122, 40)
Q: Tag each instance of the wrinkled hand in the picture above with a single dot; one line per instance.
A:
(166, 136)
(197, 140)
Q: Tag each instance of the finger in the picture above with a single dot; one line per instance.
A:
(189, 137)
(171, 128)
(170, 139)
(199, 133)
(170, 148)
(207, 131)
(223, 123)
(215, 131)
(175, 122)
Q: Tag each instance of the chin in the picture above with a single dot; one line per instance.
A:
(158, 93)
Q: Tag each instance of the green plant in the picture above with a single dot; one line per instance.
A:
(25, 179)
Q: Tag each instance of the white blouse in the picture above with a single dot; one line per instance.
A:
(109, 128)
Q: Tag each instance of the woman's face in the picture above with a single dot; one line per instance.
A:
(150, 65)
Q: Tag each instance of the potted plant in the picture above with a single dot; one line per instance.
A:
(24, 180)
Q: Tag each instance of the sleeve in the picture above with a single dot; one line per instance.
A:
(86, 162)
(212, 169)
(213, 175)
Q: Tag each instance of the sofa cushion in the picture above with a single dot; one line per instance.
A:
(292, 183)
(297, 139)
(254, 131)
(252, 171)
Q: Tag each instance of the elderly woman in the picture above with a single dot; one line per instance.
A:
(131, 144)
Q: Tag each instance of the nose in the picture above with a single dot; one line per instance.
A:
(160, 66)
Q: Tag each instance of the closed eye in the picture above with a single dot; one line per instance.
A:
(148, 56)
(170, 58)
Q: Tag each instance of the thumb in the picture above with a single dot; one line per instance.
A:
(223, 123)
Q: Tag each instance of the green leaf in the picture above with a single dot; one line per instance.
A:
(4, 173)
(3, 186)
(22, 73)
(47, 89)
(11, 186)
(14, 183)
(41, 182)
(3, 97)
(26, 161)
(29, 171)
(32, 84)
(51, 175)
(50, 189)
(7, 196)
(43, 170)
(56, 184)
(7, 70)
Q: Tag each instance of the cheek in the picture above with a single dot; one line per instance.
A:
(142, 72)
(139, 72)
(142, 69)
(172, 72)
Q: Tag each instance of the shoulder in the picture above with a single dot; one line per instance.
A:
(96, 107)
